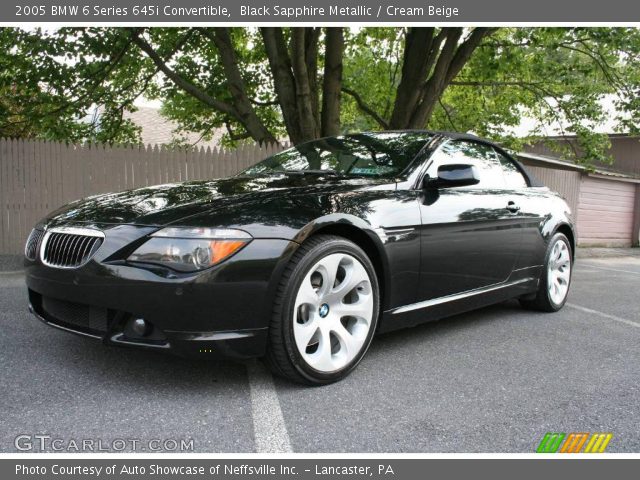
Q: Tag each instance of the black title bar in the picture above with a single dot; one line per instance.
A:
(320, 11)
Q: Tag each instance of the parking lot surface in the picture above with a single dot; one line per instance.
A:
(494, 380)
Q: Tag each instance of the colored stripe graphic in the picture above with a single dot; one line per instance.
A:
(550, 442)
(574, 442)
(598, 442)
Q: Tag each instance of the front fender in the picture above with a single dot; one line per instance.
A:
(359, 216)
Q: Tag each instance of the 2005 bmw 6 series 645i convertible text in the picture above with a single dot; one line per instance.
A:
(303, 257)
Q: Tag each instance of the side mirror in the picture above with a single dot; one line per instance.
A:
(456, 175)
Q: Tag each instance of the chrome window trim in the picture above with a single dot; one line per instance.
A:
(87, 232)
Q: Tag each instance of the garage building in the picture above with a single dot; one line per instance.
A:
(605, 204)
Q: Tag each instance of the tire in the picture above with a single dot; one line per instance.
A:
(555, 280)
(325, 312)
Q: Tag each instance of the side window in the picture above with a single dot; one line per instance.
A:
(512, 175)
(480, 155)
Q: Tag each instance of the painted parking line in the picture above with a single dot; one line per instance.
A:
(604, 315)
(608, 269)
(269, 429)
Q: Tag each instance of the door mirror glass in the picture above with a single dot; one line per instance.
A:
(453, 175)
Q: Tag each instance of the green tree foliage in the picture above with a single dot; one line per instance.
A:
(562, 78)
(76, 84)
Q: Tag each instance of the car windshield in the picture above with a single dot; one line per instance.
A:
(382, 154)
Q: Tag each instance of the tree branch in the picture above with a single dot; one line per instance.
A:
(181, 82)
(452, 59)
(146, 80)
(270, 103)
(235, 136)
(464, 52)
(111, 64)
(478, 83)
(446, 112)
(365, 108)
(221, 37)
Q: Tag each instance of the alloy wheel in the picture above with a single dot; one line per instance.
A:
(559, 272)
(333, 312)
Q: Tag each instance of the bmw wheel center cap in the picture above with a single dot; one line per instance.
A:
(323, 311)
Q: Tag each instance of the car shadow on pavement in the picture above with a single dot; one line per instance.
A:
(398, 342)
(76, 356)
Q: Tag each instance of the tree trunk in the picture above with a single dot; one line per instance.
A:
(429, 64)
(283, 81)
(332, 82)
(295, 78)
(418, 46)
(434, 87)
(455, 60)
(311, 38)
(304, 95)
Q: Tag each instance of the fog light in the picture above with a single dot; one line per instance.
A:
(140, 327)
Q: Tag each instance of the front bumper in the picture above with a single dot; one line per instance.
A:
(222, 311)
(239, 344)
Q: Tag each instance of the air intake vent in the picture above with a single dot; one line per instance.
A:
(33, 242)
(69, 247)
(75, 315)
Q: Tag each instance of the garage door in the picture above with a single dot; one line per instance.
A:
(605, 212)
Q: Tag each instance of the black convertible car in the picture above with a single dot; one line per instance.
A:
(301, 258)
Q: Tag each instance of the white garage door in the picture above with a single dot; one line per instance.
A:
(605, 212)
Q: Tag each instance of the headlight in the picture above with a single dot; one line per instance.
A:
(190, 249)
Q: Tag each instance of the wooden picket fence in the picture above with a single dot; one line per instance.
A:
(36, 176)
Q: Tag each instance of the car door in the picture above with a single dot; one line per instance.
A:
(532, 207)
(470, 237)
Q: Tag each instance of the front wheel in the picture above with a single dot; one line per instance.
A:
(326, 312)
(556, 277)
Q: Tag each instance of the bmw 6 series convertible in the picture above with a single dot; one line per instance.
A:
(303, 257)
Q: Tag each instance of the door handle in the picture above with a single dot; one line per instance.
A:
(512, 207)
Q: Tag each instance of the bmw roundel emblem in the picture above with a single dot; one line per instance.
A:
(323, 310)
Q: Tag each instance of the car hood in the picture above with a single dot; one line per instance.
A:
(163, 204)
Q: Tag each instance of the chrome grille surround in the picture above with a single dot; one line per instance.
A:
(33, 243)
(69, 247)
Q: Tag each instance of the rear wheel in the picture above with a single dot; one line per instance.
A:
(556, 277)
(325, 313)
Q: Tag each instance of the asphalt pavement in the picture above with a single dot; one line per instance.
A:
(495, 380)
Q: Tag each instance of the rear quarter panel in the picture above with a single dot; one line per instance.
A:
(543, 212)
